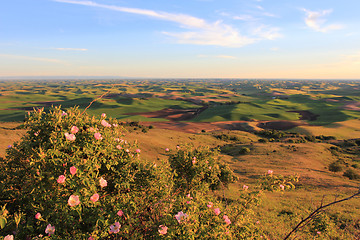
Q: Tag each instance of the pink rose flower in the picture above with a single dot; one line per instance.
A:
(74, 129)
(95, 197)
(118, 147)
(138, 150)
(270, 172)
(210, 205)
(61, 179)
(163, 229)
(282, 187)
(73, 170)
(98, 136)
(180, 216)
(194, 160)
(50, 229)
(105, 123)
(115, 228)
(91, 238)
(38, 216)
(217, 211)
(245, 187)
(120, 213)
(227, 220)
(103, 115)
(166, 150)
(103, 182)
(70, 137)
(73, 200)
(9, 237)
(63, 113)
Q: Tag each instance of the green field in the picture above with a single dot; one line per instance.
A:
(226, 100)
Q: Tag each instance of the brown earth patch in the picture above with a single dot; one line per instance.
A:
(306, 115)
(279, 125)
(172, 114)
(354, 106)
(197, 127)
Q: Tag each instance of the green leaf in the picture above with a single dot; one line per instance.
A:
(2, 222)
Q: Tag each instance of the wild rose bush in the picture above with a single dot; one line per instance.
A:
(275, 182)
(200, 169)
(73, 176)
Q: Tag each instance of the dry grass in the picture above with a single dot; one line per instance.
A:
(8, 135)
(309, 160)
(342, 130)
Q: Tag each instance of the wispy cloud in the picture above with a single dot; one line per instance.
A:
(217, 56)
(199, 32)
(267, 32)
(19, 57)
(245, 17)
(352, 58)
(274, 49)
(71, 49)
(316, 20)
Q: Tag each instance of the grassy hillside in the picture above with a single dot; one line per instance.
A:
(278, 212)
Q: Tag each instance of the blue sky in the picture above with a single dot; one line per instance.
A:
(181, 38)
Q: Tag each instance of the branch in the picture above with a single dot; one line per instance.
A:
(97, 99)
(308, 218)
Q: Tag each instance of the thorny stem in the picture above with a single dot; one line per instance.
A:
(317, 211)
(97, 99)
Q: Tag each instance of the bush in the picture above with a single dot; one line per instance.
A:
(271, 133)
(74, 177)
(199, 169)
(335, 166)
(351, 174)
(244, 150)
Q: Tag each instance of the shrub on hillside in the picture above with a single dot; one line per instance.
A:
(270, 133)
(244, 150)
(199, 169)
(351, 174)
(73, 176)
(336, 166)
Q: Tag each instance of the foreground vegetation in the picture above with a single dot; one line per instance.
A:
(77, 176)
(156, 177)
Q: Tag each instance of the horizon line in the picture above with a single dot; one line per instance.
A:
(158, 78)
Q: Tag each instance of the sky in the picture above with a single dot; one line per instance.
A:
(293, 39)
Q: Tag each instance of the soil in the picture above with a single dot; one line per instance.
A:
(279, 125)
(306, 115)
(176, 116)
(354, 106)
(173, 114)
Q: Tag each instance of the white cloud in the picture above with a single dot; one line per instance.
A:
(267, 32)
(352, 58)
(19, 57)
(201, 32)
(71, 49)
(259, 7)
(274, 49)
(316, 21)
(226, 57)
(217, 56)
(245, 17)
